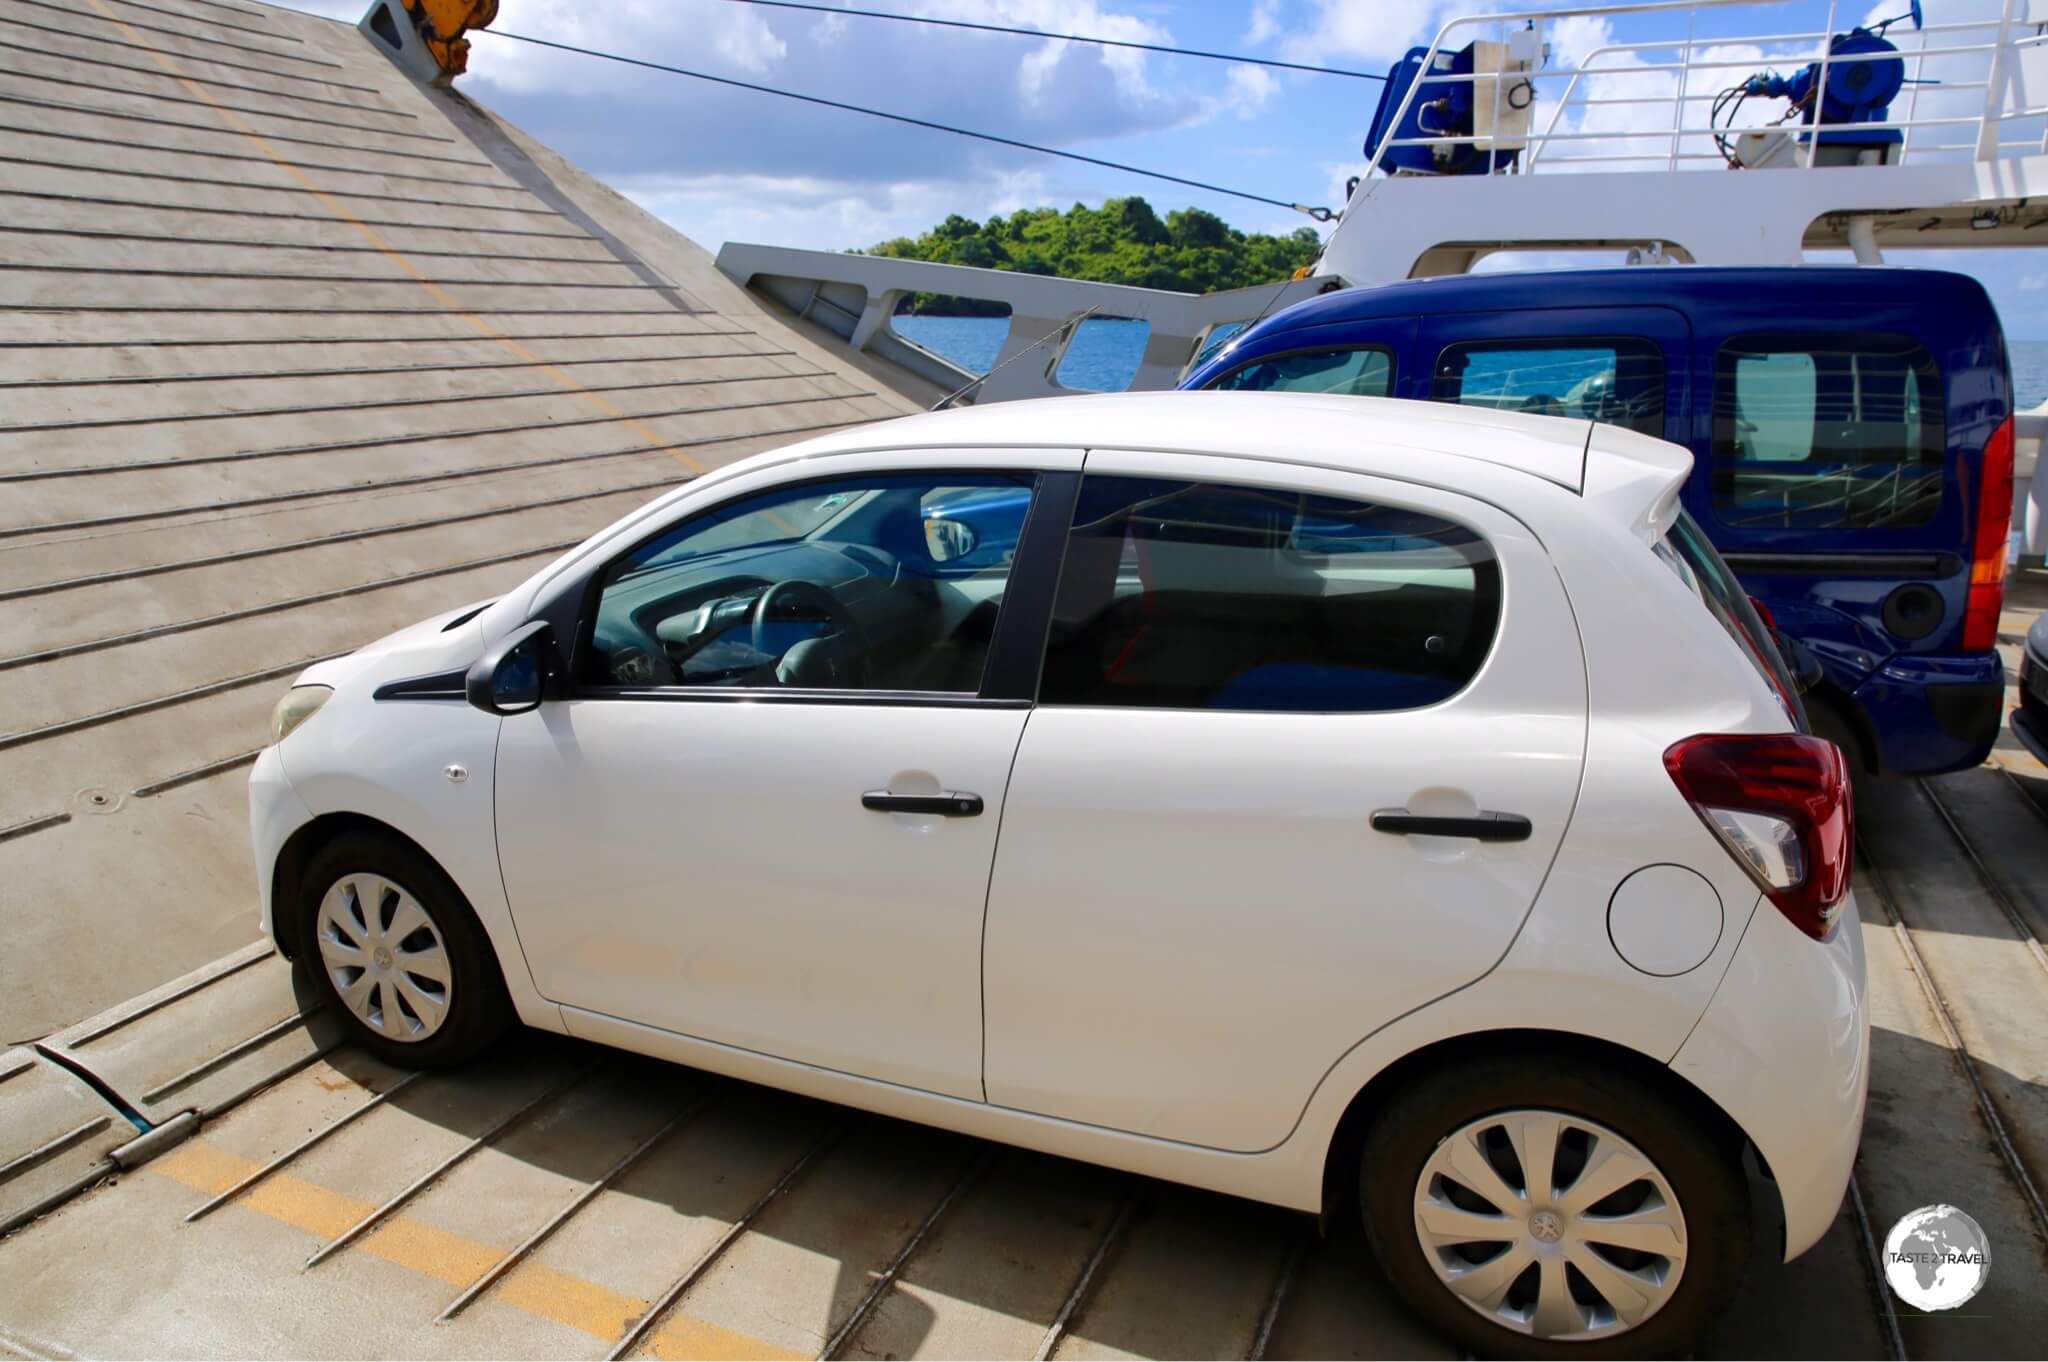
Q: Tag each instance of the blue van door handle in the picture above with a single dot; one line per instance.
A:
(951, 804)
(1486, 827)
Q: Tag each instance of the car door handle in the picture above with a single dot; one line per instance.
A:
(951, 804)
(1486, 827)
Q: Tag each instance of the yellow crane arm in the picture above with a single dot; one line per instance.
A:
(441, 24)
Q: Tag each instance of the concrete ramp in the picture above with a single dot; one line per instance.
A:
(293, 351)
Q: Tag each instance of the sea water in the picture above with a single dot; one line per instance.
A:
(2029, 373)
(1106, 351)
(1103, 357)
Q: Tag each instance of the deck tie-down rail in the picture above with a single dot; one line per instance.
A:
(434, 1174)
(648, 1318)
(886, 1278)
(1078, 1296)
(333, 1127)
(515, 1255)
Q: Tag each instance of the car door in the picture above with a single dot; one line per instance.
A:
(1210, 884)
(765, 814)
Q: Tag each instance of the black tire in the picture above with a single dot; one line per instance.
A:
(1689, 1144)
(1827, 721)
(479, 1012)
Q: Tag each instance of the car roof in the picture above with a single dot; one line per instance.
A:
(1777, 288)
(1390, 437)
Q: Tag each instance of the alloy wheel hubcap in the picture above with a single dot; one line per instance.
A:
(384, 956)
(1550, 1225)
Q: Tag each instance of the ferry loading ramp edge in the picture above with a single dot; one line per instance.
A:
(294, 351)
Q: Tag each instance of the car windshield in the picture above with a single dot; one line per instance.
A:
(782, 523)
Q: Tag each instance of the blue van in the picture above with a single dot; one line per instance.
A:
(1851, 428)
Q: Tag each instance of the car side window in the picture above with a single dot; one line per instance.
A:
(870, 583)
(1363, 371)
(1619, 380)
(1826, 430)
(1191, 595)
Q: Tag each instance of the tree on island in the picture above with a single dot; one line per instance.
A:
(1122, 242)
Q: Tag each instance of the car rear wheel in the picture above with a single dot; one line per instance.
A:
(1537, 1207)
(396, 952)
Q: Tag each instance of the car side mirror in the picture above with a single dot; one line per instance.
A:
(948, 541)
(511, 676)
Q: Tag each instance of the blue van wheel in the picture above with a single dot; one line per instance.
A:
(1824, 714)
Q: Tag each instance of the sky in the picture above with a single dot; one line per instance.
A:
(723, 164)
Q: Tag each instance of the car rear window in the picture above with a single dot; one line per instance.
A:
(1687, 552)
(1364, 371)
(1190, 595)
(1826, 430)
(1618, 380)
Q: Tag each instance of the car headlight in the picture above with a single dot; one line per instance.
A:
(295, 707)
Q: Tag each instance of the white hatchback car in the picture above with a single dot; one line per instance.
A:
(1400, 808)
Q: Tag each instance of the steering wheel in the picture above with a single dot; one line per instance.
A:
(835, 659)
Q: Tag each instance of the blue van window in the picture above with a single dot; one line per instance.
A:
(1365, 371)
(1826, 430)
(1188, 595)
(1218, 337)
(1617, 380)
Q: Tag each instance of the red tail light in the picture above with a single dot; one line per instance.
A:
(1987, 546)
(1779, 802)
(1763, 612)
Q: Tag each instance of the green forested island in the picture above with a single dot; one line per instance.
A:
(1122, 242)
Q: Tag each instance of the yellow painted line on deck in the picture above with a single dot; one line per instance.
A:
(532, 1287)
(419, 276)
(695, 1339)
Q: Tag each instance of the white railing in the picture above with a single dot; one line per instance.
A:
(2008, 55)
(855, 298)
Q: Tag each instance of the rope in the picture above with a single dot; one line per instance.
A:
(1319, 214)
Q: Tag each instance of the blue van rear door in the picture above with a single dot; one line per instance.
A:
(1628, 366)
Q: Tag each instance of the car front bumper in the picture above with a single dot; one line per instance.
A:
(275, 813)
(1784, 1049)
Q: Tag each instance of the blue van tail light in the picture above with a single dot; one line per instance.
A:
(1780, 805)
(1987, 548)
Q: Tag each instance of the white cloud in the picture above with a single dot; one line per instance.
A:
(830, 30)
(1247, 90)
(1337, 174)
(1368, 28)
(1264, 24)
(820, 213)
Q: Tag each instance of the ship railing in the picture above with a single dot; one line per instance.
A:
(2011, 48)
(854, 299)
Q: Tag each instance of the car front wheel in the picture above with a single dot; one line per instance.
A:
(1539, 1207)
(395, 950)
